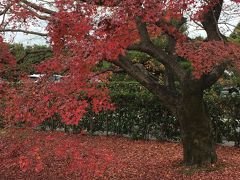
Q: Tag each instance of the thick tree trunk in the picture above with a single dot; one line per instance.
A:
(196, 131)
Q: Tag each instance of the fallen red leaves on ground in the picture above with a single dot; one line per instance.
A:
(29, 154)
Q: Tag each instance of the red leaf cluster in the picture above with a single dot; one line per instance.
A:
(36, 102)
(204, 56)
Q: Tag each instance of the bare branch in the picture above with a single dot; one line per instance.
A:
(214, 75)
(39, 16)
(24, 31)
(38, 8)
(143, 32)
(210, 22)
(148, 47)
(6, 9)
(160, 55)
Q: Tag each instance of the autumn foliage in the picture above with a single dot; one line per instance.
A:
(215, 52)
(82, 34)
(30, 154)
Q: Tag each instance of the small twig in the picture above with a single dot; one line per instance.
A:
(24, 31)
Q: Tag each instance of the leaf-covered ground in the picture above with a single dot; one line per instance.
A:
(28, 154)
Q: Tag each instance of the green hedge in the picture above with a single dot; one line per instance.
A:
(225, 115)
(141, 116)
(138, 115)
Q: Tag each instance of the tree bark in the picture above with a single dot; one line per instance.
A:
(196, 130)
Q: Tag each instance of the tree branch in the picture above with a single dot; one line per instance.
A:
(141, 75)
(160, 55)
(6, 9)
(214, 75)
(24, 31)
(42, 17)
(169, 79)
(142, 30)
(38, 8)
(110, 69)
(148, 47)
(210, 22)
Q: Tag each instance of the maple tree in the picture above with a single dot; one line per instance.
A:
(84, 33)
